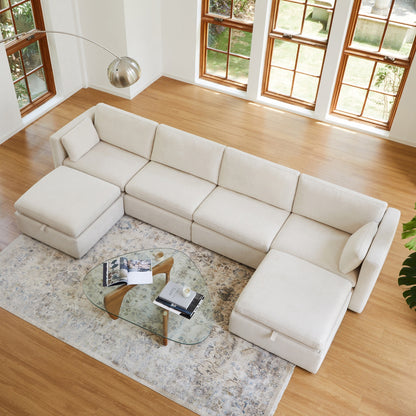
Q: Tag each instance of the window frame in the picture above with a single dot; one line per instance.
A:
(298, 39)
(376, 57)
(228, 22)
(17, 45)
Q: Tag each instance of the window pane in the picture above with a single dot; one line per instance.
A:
(238, 69)
(37, 84)
(244, 10)
(305, 87)
(31, 57)
(23, 17)
(387, 78)
(310, 60)
(368, 34)
(404, 12)
(358, 71)
(21, 93)
(284, 54)
(218, 37)
(13, 2)
(216, 63)
(398, 40)
(6, 24)
(351, 99)
(290, 16)
(16, 67)
(376, 7)
(3, 4)
(378, 106)
(240, 42)
(221, 7)
(280, 81)
(317, 22)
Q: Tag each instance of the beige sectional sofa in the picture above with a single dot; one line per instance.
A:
(317, 248)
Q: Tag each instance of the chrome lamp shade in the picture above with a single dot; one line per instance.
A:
(123, 72)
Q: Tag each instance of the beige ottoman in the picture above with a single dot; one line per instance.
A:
(69, 210)
(291, 308)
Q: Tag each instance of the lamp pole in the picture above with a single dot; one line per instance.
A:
(122, 71)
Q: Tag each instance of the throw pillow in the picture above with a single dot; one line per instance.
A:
(80, 139)
(356, 247)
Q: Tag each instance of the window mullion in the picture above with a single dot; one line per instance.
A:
(228, 53)
(294, 70)
(368, 89)
(386, 25)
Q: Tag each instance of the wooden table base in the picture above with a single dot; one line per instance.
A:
(113, 300)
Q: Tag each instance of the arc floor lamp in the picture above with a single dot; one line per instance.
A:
(122, 71)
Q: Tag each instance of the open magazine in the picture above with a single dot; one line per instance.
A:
(124, 271)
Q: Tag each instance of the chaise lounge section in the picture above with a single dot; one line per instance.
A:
(317, 248)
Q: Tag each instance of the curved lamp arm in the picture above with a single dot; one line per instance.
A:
(122, 71)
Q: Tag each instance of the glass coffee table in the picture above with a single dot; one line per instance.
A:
(134, 303)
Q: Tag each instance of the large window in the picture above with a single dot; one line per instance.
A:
(378, 51)
(226, 30)
(29, 59)
(297, 41)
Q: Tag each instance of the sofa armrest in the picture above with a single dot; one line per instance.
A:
(58, 151)
(374, 261)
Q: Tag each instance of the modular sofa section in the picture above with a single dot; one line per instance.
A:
(69, 210)
(338, 224)
(250, 205)
(183, 171)
(105, 137)
(291, 308)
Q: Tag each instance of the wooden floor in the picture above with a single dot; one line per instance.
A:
(371, 366)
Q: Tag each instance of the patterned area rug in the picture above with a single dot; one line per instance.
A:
(224, 375)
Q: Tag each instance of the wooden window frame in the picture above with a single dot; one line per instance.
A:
(298, 39)
(18, 44)
(211, 18)
(376, 57)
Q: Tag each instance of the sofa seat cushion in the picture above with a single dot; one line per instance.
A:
(67, 200)
(296, 298)
(169, 189)
(241, 218)
(109, 163)
(315, 242)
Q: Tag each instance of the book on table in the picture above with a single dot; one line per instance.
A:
(172, 298)
(128, 272)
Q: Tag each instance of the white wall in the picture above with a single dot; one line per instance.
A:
(102, 21)
(180, 35)
(404, 125)
(10, 120)
(144, 40)
(64, 50)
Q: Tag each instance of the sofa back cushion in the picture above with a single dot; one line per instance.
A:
(336, 206)
(189, 153)
(125, 130)
(258, 178)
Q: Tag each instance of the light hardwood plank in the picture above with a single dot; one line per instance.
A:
(370, 368)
